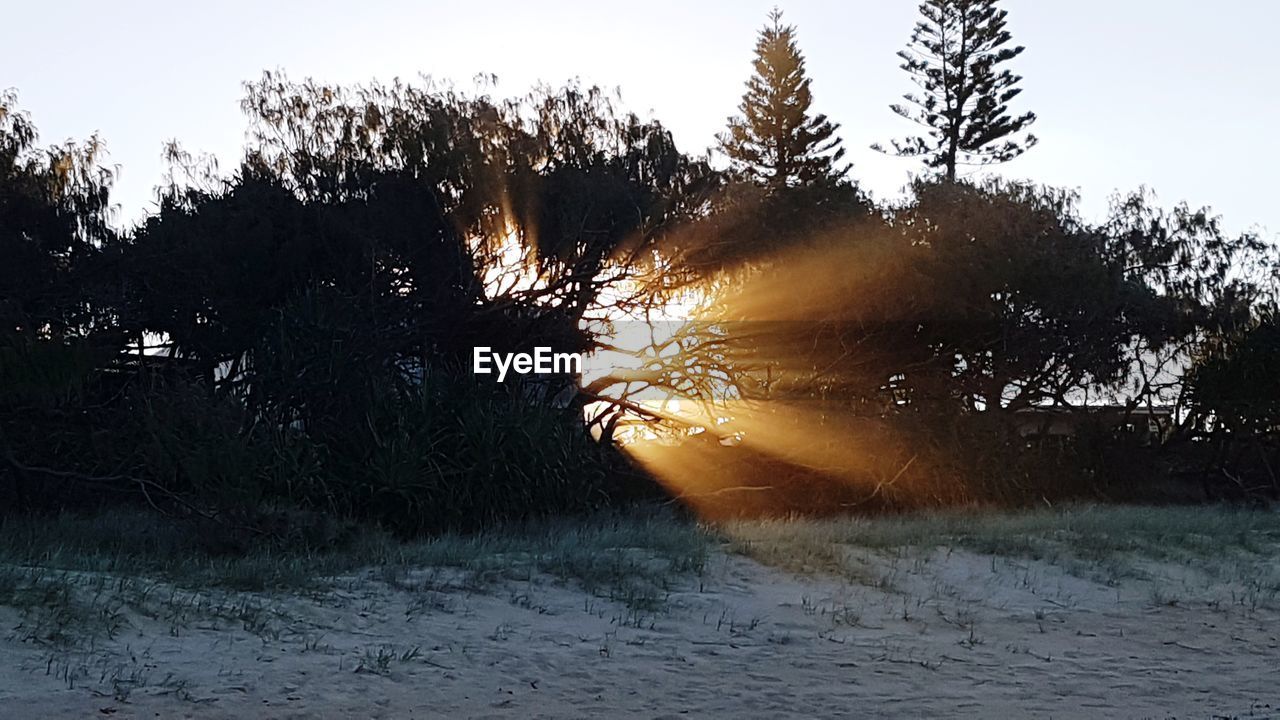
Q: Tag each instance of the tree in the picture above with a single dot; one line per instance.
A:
(341, 277)
(955, 56)
(775, 140)
(1232, 408)
(57, 319)
(54, 219)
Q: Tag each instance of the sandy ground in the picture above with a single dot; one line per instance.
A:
(937, 635)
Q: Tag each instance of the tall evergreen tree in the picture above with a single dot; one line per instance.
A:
(775, 140)
(956, 55)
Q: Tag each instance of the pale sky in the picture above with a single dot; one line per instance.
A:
(1180, 95)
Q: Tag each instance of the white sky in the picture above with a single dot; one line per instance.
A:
(1179, 95)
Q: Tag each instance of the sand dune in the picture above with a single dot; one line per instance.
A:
(939, 634)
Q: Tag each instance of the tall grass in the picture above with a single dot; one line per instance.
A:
(1090, 533)
(598, 550)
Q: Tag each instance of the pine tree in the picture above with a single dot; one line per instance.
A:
(775, 140)
(955, 56)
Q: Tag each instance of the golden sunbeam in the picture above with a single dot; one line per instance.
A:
(789, 432)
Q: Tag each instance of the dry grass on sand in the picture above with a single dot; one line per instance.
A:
(1087, 612)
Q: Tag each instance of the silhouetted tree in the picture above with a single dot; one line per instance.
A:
(296, 334)
(57, 323)
(934, 331)
(776, 140)
(54, 217)
(956, 56)
(336, 284)
(1234, 397)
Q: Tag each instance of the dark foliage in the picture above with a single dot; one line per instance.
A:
(282, 351)
(920, 361)
(956, 57)
(298, 335)
(776, 141)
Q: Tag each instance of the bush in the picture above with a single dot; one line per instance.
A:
(457, 453)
